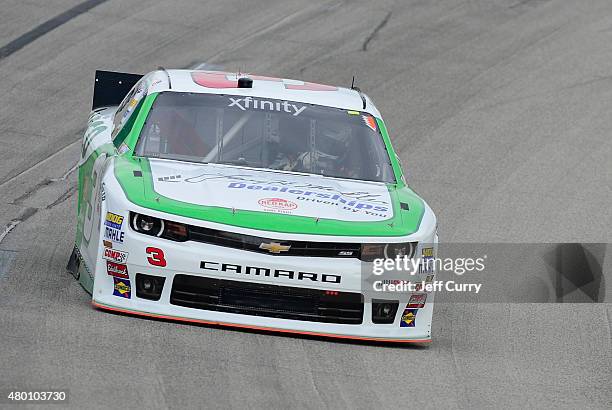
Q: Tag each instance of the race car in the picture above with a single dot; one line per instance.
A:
(248, 201)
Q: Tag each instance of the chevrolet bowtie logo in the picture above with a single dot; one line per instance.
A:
(274, 247)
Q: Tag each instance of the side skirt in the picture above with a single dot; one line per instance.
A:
(74, 263)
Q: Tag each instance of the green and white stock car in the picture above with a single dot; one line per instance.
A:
(247, 201)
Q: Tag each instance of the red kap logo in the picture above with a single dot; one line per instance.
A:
(116, 269)
(114, 255)
(277, 203)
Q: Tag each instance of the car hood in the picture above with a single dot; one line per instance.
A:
(270, 200)
(239, 188)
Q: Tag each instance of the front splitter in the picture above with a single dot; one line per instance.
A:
(251, 327)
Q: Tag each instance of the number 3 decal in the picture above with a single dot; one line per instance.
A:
(156, 257)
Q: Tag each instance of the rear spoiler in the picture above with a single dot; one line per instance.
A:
(111, 87)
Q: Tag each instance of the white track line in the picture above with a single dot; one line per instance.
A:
(9, 228)
(63, 177)
(38, 164)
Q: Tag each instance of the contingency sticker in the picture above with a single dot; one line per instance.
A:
(417, 300)
(122, 288)
(427, 262)
(113, 227)
(123, 148)
(117, 269)
(369, 121)
(408, 318)
(115, 255)
(427, 252)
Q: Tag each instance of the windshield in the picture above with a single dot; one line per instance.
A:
(265, 133)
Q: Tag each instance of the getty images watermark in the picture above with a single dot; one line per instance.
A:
(405, 274)
(492, 272)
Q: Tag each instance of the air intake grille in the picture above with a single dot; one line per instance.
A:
(267, 300)
(253, 243)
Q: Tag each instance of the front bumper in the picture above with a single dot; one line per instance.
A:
(186, 259)
(382, 337)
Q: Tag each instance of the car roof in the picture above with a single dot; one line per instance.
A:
(221, 82)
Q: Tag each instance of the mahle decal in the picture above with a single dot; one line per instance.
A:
(113, 234)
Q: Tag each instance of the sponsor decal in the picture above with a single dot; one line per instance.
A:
(271, 273)
(117, 269)
(427, 264)
(335, 200)
(277, 205)
(429, 278)
(274, 247)
(112, 229)
(417, 301)
(292, 187)
(107, 244)
(285, 185)
(308, 189)
(340, 200)
(103, 191)
(113, 220)
(408, 318)
(133, 102)
(369, 121)
(122, 288)
(216, 79)
(115, 255)
(114, 235)
(248, 103)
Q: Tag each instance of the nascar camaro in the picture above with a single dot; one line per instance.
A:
(246, 201)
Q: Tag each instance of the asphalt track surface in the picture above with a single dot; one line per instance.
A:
(501, 111)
